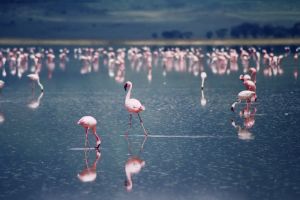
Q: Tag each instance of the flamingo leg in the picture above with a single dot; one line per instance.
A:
(86, 138)
(128, 145)
(130, 120)
(144, 141)
(130, 125)
(142, 124)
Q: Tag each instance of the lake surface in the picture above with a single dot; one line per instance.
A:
(193, 151)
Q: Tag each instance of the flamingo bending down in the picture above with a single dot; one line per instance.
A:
(133, 105)
(36, 77)
(132, 166)
(89, 122)
(246, 95)
(203, 77)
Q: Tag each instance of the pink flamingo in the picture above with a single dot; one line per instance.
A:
(89, 174)
(252, 71)
(36, 77)
(89, 122)
(133, 105)
(246, 95)
(1, 84)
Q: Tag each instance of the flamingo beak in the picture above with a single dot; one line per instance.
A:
(125, 86)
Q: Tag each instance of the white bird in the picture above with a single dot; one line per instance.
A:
(246, 95)
(36, 77)
(133, 105)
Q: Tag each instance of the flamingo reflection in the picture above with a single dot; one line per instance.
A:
(248, 117)
(89, 173)
(203, 100)
(34, 104)
(133, 165)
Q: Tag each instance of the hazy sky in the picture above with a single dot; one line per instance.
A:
(137, 18)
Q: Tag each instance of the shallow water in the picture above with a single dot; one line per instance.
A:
(192, 152)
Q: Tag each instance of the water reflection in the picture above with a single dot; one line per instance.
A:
(35, 103)
(203, 100)
(134, 164)
(89, 172)
(248, 116)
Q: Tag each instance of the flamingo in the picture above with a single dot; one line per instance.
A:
(246, 95)
(203, 77)
(89, 122)
(36, 77)
(1, 84)
(133, 105)
(89, 174)
(252, 71)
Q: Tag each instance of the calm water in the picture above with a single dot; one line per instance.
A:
(193, 151)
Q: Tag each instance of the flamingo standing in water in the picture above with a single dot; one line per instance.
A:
(89, 122)
(36, 77)
(246, 95)
(203, 77)
(133, 105)
(1, 84)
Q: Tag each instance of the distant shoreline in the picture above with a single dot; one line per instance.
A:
(149, 42)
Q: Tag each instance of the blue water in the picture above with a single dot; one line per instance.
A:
(192, 152)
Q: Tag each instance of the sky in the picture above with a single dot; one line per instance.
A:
(132, 19)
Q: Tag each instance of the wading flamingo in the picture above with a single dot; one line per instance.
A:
(203, 77)
(133, 105)
(1, 84)
(246, 95)
(89, 122)
(36, 77)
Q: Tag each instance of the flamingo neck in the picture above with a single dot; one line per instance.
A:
(202, 83)
(40, 85)
(128, 95)
(96, 135)
(253, 77)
